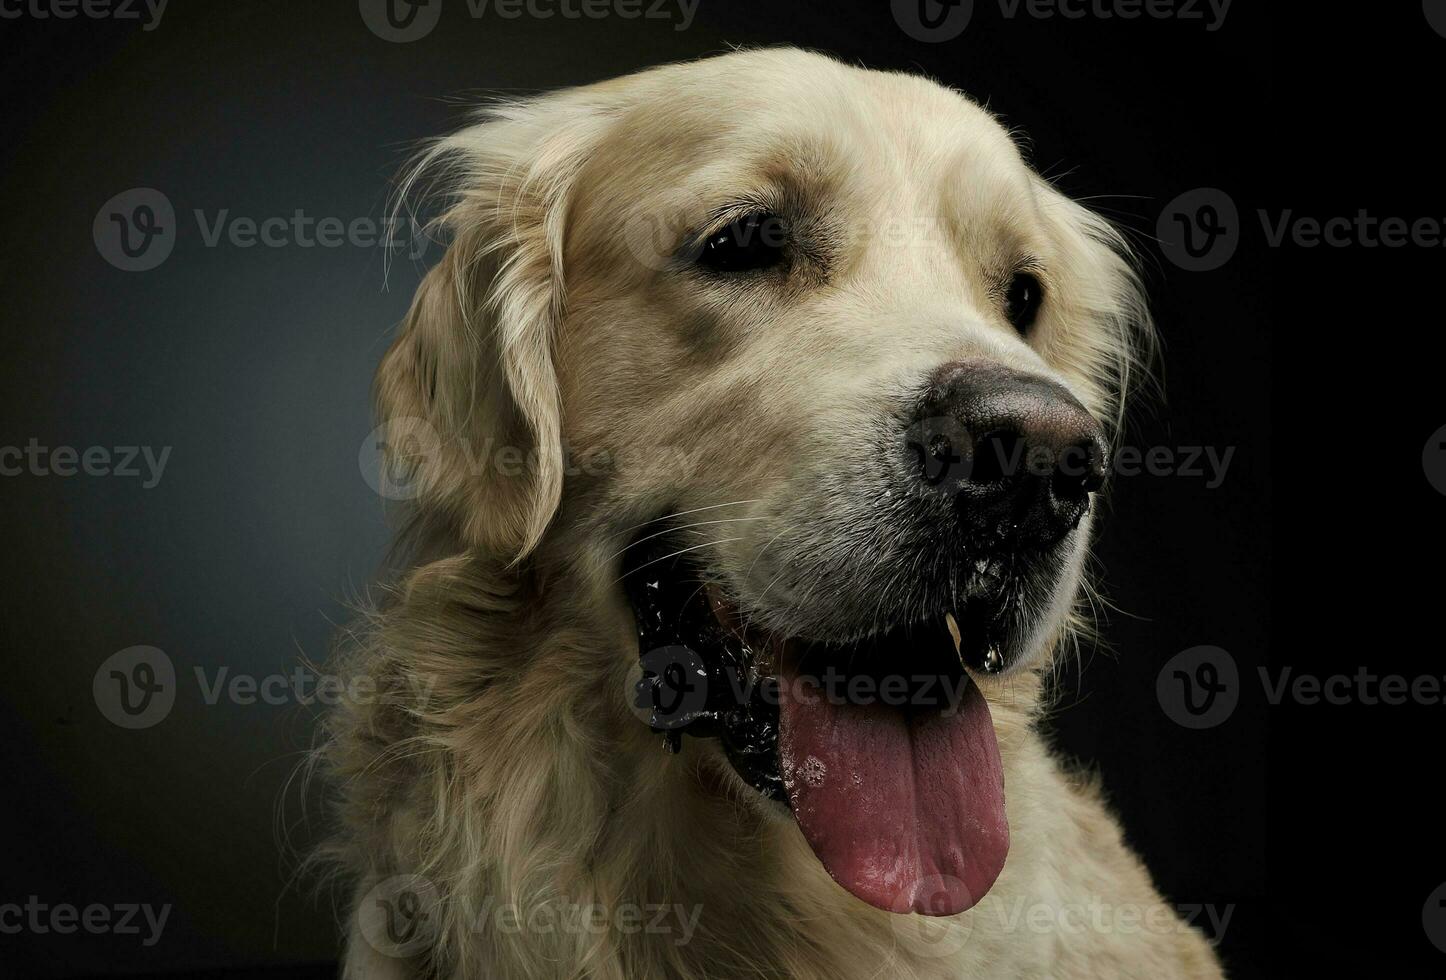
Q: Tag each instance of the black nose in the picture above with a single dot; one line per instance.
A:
(1018, 453)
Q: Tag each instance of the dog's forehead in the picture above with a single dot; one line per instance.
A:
(700, 133)
(802, 88)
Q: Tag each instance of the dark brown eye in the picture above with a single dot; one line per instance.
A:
(753, 242)
(1022, 299)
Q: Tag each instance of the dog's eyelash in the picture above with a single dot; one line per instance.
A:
(1029, 265)
(725, 216)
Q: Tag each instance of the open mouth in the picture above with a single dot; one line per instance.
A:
(883, 748)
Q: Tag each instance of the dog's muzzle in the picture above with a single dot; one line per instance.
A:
(901, 796)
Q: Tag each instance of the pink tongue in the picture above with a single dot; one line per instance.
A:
(905, 809)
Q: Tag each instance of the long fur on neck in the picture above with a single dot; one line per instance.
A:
(498, 761)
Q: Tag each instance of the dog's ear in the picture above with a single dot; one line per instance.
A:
(467, 393)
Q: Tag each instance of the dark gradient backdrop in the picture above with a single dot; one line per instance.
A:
(253, 364)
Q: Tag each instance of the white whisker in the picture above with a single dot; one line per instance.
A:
(685, 513)
(675, 554)
(684, 527)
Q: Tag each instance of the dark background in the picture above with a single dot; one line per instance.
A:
(254, 365)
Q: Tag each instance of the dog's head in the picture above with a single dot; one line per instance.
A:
(810, 364)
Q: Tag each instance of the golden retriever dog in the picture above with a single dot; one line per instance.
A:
(750, 423)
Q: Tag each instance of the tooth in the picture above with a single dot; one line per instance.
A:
(954, 632)
(993, 660)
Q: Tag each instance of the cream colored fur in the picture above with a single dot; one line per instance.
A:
(502, 764)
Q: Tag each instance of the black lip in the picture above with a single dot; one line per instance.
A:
(704, 680)
(678, 636)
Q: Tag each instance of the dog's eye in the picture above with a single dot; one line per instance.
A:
(1022, 299)
(752, 242)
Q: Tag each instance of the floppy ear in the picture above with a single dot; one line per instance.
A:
(467, 393)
